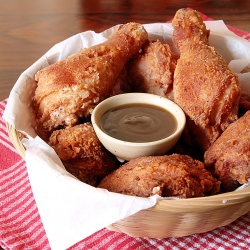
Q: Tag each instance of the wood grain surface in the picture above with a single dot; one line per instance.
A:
(29, 28)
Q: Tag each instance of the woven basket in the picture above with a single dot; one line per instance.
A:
(174, 218)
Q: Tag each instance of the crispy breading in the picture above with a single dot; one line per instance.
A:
(204, 87)
(69, 89)
(82, 153)
(169, 175)
(230, 154)
(152, 69)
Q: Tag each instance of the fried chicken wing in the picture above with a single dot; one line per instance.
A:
(152, 69)
(230, 154)
(169, 175)
(82, 154)
(69, 89)
(204, 87)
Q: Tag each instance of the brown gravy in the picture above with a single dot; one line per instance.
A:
(138, 123)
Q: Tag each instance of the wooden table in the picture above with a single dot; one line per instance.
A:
(29, 28)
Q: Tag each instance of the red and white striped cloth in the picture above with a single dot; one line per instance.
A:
(21, 226)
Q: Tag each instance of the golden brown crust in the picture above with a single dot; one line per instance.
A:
(82, 154)
(152, 69)
(69, 89)
(204, 87)
(189, 27)
(169, 175)
(230, 154)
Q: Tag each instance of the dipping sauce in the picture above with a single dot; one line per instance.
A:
(138, 123)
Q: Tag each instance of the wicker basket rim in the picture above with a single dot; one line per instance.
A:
(229, 198)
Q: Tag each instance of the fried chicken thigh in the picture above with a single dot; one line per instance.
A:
(82, 153)
(230, 154)
(169, 175)
(204, 87)
(152, 69)
(69, 89)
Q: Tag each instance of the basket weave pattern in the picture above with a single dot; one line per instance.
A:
(174, 218)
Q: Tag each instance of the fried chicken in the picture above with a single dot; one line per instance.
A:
(169, 175)
(69, 89)
(152, 69)
(230, 154)
(82, 154)
(204, 87)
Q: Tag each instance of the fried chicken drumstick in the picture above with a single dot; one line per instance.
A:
(204, 87)
(69, 89)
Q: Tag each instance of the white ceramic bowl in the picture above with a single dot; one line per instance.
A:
(125, 150)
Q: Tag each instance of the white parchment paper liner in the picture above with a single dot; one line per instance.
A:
(71, 210)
